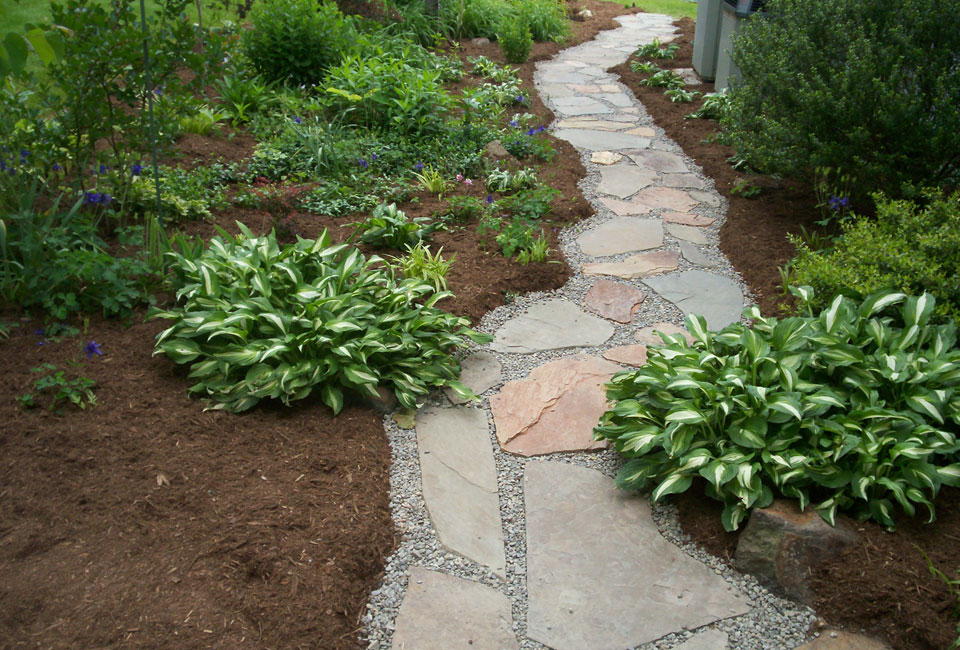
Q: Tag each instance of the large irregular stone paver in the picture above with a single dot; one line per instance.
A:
(593, 140)
(460, 483)
(600, 575)
(648, 335)
(687, 219)
(624, 180)
(665, 197)
(661, 161)
(551, 325)
(554, 408)
(694, 255)
(716, 298)
(622, 235)
(442, 611)
(625, 208)
(692, 234)
(479, 372)
(629, 355)
(706, 640)
(635, 266)
(614, 301)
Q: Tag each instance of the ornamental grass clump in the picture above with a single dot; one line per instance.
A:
(855, 409)
(258, 321)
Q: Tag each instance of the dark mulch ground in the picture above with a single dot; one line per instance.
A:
(882, 584)
(147, 522)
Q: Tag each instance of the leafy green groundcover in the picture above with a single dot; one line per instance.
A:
(850, 410)
(259, 321)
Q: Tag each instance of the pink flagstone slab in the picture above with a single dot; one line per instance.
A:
(615, 301)
(665, 197)
(625, 208)
(683, 180)
(629, 355)
(687, 219)
(554, 408)
(635, 266)
(649, 336)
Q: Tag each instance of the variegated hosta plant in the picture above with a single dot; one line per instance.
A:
(855, 409)
(258, 321)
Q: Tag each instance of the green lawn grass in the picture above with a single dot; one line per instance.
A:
(37, 12)
(675, 8)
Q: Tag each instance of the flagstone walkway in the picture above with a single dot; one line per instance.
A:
(513, 534)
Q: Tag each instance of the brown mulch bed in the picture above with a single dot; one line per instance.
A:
(147, 522)
(882, 585)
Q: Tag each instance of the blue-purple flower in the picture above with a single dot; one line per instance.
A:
(96, 198)
(520, 99)
(297, 119)
(92, 348)
(418, 166)
(137, 169)
(56, 167)
(104, 169)
(362, 163)
(489, 199)
(514, 123)
(373, 156)
(24, 153)
(837, 203)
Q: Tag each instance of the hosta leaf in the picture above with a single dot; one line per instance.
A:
(898, 491)
(828, 511)
(360, 376)
(917, 310)
(804, 293)
(879, 301)
(950, 475)
(636, 473)
(238, 355)
(684, 415)
(923, 475)
(832, 315)
(732, 516)
(750, 433)
(786, 404)
(881, 510)
(718, 472)
(674, 483)
(332, 397)
(180, 350)
(697, 326)
(925, 405)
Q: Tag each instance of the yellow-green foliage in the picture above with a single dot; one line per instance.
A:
(907, 247)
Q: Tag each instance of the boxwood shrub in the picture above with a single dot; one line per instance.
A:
(908, 247)
(870, 87)
(257, 321)
(854, 409)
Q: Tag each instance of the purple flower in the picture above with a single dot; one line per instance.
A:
(837, 203)
(297, 119)
(531, 131)
(489, 199)
(514, 123)
(520, 99)
(137, 169)
(373, 156)
(91, 349)
(91, 197)
(418, 166)
(104, 169)
(3, 165)
(362, 163)
(23, 155)
(56, 167)
(158, 92)
(40, 332)
(540, 129)
(105, 198)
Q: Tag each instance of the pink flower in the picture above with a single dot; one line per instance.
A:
(459, 178)
(468, 182)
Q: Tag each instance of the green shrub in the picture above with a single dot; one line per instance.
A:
(420, 263)
(909, 248)
(546, 19)
(57, 261)
(867, 86)
(387, 92)
(257, 321)
(852, 410)
(476, 17)
(296, 41)
(515, 41)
